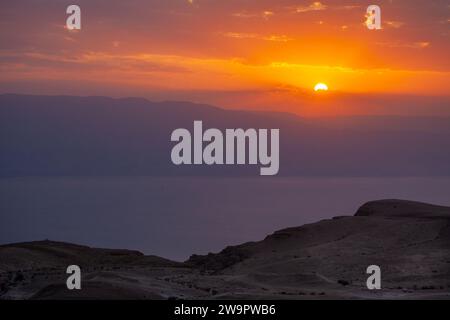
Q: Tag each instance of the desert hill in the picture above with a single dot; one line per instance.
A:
(410, 241)
(403, 208)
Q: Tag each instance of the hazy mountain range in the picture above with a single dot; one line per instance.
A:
(99, 136)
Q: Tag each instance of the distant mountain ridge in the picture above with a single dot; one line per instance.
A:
(100, 136)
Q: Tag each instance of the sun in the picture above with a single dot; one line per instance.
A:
(321, 87)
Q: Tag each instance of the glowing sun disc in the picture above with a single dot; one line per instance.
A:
(321, 87)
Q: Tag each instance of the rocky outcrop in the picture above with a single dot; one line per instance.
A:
(409, 241)
(402, 208)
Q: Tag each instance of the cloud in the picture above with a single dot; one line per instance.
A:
(394, 24)
(315, 6)
(347, 7)
(277, 38)
(244, 14)
(239, 35)
(412, 45)
(318, 6)
(92, 61)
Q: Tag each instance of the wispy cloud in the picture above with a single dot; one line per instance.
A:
(315, 6)
(348, 7)
(245, 14)
(274, 37)
(412, 45)
(394, 24)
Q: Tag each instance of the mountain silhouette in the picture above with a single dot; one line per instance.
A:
(100, 136)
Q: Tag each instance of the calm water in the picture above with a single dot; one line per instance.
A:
(175, 217)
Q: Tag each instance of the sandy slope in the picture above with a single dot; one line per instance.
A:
(410, 241)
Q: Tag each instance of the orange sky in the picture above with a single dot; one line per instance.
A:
(142, 47)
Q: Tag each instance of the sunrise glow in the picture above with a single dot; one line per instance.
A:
(320, 87)
(256, 55)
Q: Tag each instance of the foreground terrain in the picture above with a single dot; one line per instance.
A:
(410, 241)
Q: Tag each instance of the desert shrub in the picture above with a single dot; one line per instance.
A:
(19, 277)
(343, 282)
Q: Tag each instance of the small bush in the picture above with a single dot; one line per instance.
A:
(343, 282)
